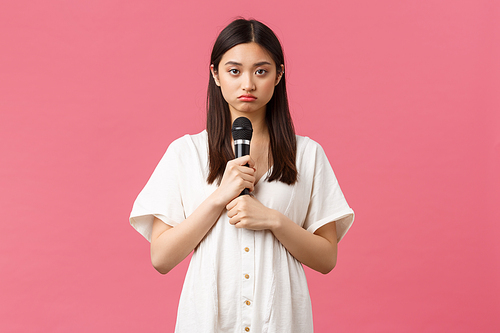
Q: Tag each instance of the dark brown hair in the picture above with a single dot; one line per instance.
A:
(282, 145)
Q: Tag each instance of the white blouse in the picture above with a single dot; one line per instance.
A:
(241, 280)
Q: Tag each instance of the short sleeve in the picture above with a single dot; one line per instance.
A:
(327, 202)
(161, 197)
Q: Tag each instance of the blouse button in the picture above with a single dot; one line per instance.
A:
(247, 302)
(247, 329)
(247, 249)
(247, 276)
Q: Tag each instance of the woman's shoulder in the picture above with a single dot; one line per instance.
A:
(190, 141)
(307, 145)
(186, 149)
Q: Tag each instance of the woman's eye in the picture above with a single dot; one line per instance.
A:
(261, 72)
(234, 71)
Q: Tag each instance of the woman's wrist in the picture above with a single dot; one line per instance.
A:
(276, 220)
(217, 200)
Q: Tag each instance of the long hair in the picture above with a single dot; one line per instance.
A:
(282, 145)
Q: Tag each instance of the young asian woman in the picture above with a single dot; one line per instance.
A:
(246, 271)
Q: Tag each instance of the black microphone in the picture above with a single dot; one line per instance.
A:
(242, 134)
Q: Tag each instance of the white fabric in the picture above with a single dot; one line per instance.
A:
(222, 276)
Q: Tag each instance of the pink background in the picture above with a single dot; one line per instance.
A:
(403, 96)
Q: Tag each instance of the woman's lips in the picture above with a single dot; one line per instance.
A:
(247, 98)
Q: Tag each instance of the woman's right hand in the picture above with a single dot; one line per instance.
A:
(236, 178)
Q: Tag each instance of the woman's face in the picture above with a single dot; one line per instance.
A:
(247, 77)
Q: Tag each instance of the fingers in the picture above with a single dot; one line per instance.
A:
(231, 205)
(232, 210)
(243, 176)
(248, 181)
(246, 166)
(237, 208)
(237, 177)
(246, 212)
(240, 164)
(236, 218)
(244, 160)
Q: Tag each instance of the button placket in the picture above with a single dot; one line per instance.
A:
(248, 275)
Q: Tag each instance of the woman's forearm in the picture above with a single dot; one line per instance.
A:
(317, 251)
(170, 245)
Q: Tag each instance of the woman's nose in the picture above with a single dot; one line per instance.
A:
(248, 84)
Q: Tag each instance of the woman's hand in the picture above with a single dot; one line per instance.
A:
(236, 178)
(247, 212)
(318, 250)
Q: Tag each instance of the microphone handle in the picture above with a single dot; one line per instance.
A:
(242, 149)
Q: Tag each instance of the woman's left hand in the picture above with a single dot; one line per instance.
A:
(318, 250)
(247, 212)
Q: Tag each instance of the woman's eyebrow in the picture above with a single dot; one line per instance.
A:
(240, 64)
(262, 63)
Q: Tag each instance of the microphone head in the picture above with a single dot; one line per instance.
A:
(242, 129)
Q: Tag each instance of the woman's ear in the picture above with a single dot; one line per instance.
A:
(215, 75)
(280, 74)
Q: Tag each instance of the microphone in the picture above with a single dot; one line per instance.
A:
(242, 134)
